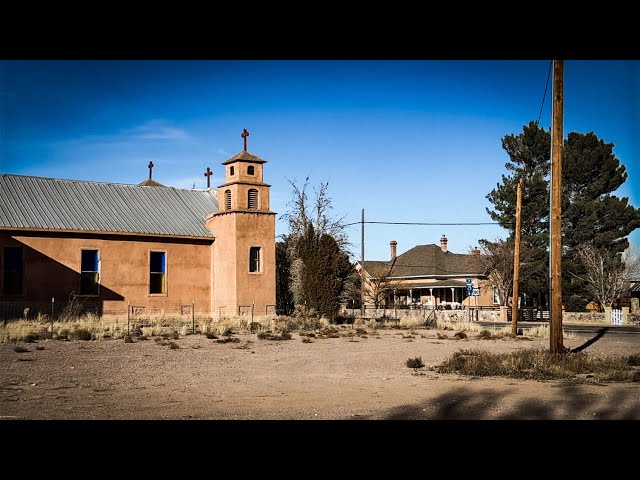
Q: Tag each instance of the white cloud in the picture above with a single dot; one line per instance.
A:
(221, 151)
(155, 130)
(151, 131)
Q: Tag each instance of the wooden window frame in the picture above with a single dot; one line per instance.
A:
(99, 272)
(165, 278)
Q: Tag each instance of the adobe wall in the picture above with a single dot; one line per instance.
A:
(235, 289)
(52, 269)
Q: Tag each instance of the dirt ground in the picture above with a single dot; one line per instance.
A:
(346, 378)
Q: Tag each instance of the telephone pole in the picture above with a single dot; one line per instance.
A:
(516, 261)
(555, 247)
(362, 279)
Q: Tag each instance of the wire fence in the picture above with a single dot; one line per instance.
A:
(136, 309)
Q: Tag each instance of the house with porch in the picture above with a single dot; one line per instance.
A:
(427, 276)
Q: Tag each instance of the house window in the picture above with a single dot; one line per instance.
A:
(157, 273)
(496, 295)
(253, 198)
(254, 259)
(231, 170)
(12, 271)
(250, 170)
(227, 199)
(89, 272)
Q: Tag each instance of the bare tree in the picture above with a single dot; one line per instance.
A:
(496, 261)
(309, 214)
(303, 213)
(607, 277)
(380, 281)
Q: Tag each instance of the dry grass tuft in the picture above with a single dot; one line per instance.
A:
(539, 364)
(272, 336)
(20, 349)
(414, 362)
(228, 340)
(460, 335)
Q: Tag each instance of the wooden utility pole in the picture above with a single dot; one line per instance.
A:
(516, 261)
(555, 247)
(362, 277)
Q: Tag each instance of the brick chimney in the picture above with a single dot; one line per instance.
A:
(443, 243)
(393, 244)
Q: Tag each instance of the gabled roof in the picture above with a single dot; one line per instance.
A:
(37, 203)
(428, 261)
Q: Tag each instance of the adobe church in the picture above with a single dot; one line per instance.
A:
(145, 246)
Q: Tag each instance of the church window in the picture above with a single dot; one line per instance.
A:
(12, 271)
(254, 260)
(253, 199)
(227, 200)
(250, 170)
(157, 273)
(89, 272)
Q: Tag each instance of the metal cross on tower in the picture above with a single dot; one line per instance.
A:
(244, 135)
(208, 174)
(150, 169)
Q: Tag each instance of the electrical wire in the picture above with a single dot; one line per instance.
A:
(545, 92)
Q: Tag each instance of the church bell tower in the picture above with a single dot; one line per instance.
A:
(244, 247)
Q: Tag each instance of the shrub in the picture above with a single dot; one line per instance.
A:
(79, 334)
(173, 345)
(460, 335)
(307, 340)
(634, 360)
(211, 336)
(20, 349)
(484, 335)
(40, 347)
(271, 336)
(128, 339)
(415, 362)
(228, 340)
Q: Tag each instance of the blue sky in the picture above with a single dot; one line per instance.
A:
(408, 141)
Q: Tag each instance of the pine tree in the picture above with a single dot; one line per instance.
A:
(591, 214)
(529, 153)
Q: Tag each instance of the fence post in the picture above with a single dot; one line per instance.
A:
(128, 315)
(52, 304)
(193, 317)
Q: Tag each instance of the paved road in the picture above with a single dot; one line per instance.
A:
(574, 327)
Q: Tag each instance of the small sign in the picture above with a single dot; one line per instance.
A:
(476, 291)
(469, 280)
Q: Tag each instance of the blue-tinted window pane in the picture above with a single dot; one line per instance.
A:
(157, 262)
(89, 261)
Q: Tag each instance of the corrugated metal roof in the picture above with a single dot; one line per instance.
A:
(56, 204)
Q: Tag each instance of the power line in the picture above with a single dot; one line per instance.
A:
(425, 223)
(545, 91)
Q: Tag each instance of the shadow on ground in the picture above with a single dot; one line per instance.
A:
(572, 403)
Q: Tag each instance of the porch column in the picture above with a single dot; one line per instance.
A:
(453, 294)
(410, 299)
(431, 296)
